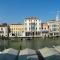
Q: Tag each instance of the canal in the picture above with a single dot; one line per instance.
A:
(33, 43)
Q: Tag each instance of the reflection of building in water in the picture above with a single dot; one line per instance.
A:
(32, 26)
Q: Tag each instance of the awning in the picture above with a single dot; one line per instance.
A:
(28, 54)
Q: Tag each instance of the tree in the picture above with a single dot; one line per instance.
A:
(5, 24)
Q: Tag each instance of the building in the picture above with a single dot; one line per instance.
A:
(54, 27)
(45, 30)
(3, 30)
(17, 30)
(45, 26)
(32, 26)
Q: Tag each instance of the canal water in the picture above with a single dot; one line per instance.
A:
(33, 43)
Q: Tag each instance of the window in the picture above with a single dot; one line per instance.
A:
(48, 26)
(36, 23)
(25, 23)
(25, 20)
(36, 28)
(36, 33)
(54, 25)
(25, 28)
(29, 23)
(54, 29)
(13, 34)
(18, 28)
(22, 28)
(44, 28)
(1, 28)
(39, 23)
(51, 34)
(11, 28)
(14, 28)
(18, 33)
(33, 26)
(29, 28)
(22, 31)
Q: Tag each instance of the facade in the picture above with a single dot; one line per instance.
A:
(59, 25)
(32, 26)
(17, 30)
(45, 26)
(45, 30)
(54, 27)
(3, 30)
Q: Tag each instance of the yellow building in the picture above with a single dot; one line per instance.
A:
(16, 30)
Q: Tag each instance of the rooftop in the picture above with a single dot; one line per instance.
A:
(31, 17)
(16, 24)
(3, 26)
(27, 52)
(10, 51)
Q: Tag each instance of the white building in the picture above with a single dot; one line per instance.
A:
(3, 30)
(32, 26)
(54, 27)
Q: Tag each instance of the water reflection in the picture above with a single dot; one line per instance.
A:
(33, 43)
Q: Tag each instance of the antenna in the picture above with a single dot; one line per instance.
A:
(57, 16)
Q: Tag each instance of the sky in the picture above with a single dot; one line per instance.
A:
(15, 11)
